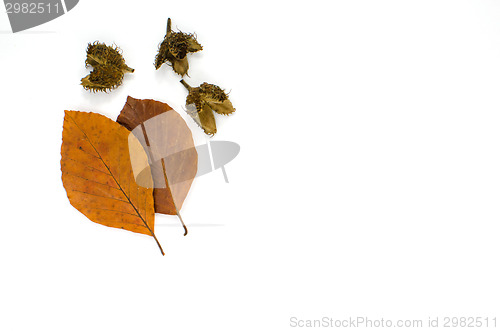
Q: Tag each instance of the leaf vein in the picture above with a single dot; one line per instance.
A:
(90, 167)
(120, 212)
(90, 180)
(97, 195)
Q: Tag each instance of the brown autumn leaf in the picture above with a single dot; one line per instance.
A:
(98, 176)
(169, 145)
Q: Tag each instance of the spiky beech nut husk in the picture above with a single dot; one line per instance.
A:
(108, 67)
(216, 98)
(103, 78)
(202, 101)
(174, 49)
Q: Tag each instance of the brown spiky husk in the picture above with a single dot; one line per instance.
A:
(108, 67)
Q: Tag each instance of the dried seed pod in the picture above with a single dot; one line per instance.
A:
(216, 98)
(202, 101)
(108, 67)
(174, 49)
(103, 78)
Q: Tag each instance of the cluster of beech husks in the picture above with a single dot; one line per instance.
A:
(201, 101)
(109, 69)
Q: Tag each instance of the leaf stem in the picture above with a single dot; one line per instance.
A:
(186, 85)
(184, 225)
(169, 25)
(166, 180)
(156, 239)
(173, 199)
(126, 68)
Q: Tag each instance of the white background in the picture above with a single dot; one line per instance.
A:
(368, 182)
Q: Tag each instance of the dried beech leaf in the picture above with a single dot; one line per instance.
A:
(170, 147)
(98, 177)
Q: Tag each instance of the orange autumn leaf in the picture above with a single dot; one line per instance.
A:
(173, 159)
(98, 176)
